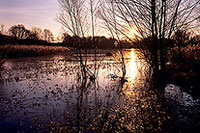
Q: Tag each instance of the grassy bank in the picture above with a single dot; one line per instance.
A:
(14, 51)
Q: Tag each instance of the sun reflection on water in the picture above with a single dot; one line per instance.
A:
(132, 68)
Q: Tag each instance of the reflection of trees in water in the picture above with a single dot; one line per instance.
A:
(93, 105)
(120, 108)
(140, 111)
(123, 107)
(87, 106)
(1, 66)
(117, 107)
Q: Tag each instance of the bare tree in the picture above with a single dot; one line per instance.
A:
(2, 29)
(59, 38)
(37, 33)
(47, 35)
(74, 18)
(19, 31)
(154, 19)
(114, 33)
(94, 5)
(1, 59)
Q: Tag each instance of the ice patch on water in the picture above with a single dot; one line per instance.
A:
(174, 93)
(184, 108)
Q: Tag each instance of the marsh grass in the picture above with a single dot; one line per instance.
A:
(31, 50)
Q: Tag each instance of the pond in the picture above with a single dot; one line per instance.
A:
(45, 94)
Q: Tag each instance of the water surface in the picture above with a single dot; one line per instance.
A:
(41, 92)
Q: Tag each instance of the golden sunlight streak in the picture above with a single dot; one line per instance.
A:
(132, 66)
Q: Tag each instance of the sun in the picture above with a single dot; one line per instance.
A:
(132, 32)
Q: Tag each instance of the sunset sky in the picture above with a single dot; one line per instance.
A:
(31, 13)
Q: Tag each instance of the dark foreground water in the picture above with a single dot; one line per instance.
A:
(44, 94)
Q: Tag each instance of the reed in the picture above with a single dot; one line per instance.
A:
(31, 50)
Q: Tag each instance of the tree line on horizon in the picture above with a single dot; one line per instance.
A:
(18, 34)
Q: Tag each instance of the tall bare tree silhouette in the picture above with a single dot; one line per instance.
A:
(73, 17)
(154, 19)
